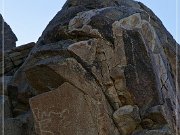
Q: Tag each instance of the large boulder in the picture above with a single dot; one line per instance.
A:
(8, 36)
(74, 113)
(101, 67)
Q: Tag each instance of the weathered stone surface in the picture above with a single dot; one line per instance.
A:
(73, 113)
(139, 71)
(86, 50)
(108, 60)
(8, 35)
(14, 58)
(127, 119)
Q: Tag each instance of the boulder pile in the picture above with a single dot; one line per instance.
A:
(101, 67)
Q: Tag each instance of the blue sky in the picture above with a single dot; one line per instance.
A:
(28, 18)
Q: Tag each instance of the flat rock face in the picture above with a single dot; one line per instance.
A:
(9, 37)
(73, 113)
(100, 67)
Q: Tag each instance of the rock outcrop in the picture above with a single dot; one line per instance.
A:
(21, 124)
(15, 57)
(101, 67)
(7, 37)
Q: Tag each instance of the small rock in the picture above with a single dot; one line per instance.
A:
(86, 50)
(127, 119)
(131, 22)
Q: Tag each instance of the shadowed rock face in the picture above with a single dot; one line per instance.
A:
(9, 37)
(100, 67)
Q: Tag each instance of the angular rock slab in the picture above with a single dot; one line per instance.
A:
(64, 111)
(140, 76)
